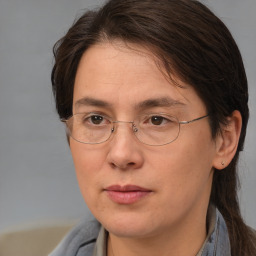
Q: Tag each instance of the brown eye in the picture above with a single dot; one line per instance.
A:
(157, 120)
(96, 119)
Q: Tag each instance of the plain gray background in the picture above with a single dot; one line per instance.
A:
(37, 180)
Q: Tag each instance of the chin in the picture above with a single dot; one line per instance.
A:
(128, 231)
(128, 226)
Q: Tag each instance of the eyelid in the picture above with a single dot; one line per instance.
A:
(87, 117)
(137, 117)
(162, 114)
(95, 113)
(165, 116)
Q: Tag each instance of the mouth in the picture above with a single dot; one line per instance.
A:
(127, 194)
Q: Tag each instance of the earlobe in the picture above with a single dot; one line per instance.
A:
(227, 141)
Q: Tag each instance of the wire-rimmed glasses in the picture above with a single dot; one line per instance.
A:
(155, 129)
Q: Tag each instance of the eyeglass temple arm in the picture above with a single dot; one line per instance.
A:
(191, 121)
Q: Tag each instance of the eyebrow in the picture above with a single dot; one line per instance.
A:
(159, 102)
(87, 101)
(149, 103)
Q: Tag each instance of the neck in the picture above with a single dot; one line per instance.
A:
(180, 241)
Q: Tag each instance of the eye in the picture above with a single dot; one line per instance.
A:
(96, 119)
(157, 120)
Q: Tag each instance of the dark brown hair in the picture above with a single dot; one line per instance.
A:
(189, 41)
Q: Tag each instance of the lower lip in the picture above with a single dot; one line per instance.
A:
(127, 197)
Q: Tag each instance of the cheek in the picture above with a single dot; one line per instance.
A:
(185, 169)
(88, 162)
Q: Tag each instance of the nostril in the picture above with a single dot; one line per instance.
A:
(113, 165)
(122, 167)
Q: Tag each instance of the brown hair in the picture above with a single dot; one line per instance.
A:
(190, 41)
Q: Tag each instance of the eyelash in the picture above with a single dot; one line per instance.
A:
(88, 117)
(147, 119)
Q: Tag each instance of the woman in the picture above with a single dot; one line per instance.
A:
(154, 96)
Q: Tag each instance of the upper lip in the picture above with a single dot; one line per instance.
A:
(126, 188)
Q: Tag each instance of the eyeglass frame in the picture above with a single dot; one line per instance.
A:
(136, 129)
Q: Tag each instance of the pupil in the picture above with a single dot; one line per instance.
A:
(157, 120)
(96, 119)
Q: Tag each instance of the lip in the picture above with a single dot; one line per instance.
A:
(127, 194)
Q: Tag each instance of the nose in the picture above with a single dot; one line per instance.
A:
(125, 151)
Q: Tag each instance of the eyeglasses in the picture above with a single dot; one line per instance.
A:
(151, 129)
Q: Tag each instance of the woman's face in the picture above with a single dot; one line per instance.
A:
(133, 189)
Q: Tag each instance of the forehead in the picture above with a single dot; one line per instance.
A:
(128, 76)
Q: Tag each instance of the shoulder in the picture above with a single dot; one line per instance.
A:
(80, 238)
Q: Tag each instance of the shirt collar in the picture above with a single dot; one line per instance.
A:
(100, 248)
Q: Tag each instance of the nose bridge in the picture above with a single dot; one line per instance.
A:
(116, 125)
(124, 151)
(127, 122)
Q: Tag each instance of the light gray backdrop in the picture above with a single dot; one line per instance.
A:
(37, 179)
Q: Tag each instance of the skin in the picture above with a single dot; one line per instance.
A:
(171, 220)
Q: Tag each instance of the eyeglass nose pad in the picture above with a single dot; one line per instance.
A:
(135, 129)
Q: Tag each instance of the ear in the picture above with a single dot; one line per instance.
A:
(227, 141)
